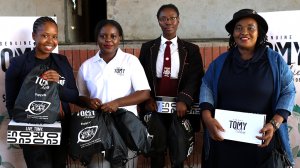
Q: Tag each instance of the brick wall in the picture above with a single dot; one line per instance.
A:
(77, 56)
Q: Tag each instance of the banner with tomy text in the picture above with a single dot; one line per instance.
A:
(15, 40)
(284, 37)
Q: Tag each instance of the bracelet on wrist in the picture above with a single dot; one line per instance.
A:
(275, 124)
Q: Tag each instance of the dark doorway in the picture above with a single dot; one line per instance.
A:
(92, 12)
(97, 12)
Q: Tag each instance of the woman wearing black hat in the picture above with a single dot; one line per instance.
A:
(250, 78)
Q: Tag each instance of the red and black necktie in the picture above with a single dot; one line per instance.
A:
(167, 86)
(166, 72)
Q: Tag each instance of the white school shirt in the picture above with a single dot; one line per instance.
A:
(175, 64)
(119, 77)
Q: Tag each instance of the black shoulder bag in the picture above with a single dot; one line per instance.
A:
(38, 99)
(133, 131)
(278, 158)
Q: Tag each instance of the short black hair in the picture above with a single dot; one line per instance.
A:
(103, 23)
(41, 21)
(171, 6)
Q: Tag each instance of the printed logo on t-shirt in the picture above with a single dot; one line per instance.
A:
(120, 71)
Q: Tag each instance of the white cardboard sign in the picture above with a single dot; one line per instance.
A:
(240, 126)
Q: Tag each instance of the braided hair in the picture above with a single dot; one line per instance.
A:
(41, 21)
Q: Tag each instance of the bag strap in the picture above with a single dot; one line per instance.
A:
(278, 143)
(279, 147)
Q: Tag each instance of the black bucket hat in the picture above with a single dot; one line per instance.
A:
(246, 13)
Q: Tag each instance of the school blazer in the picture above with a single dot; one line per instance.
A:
(190, 71)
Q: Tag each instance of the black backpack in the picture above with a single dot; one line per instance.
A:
(38, 100)
(118, 153)
(133, 131)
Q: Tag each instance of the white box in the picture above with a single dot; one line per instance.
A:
(39, 134)
(240, 126)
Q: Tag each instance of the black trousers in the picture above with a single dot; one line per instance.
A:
(45, 156)
(159, 127)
